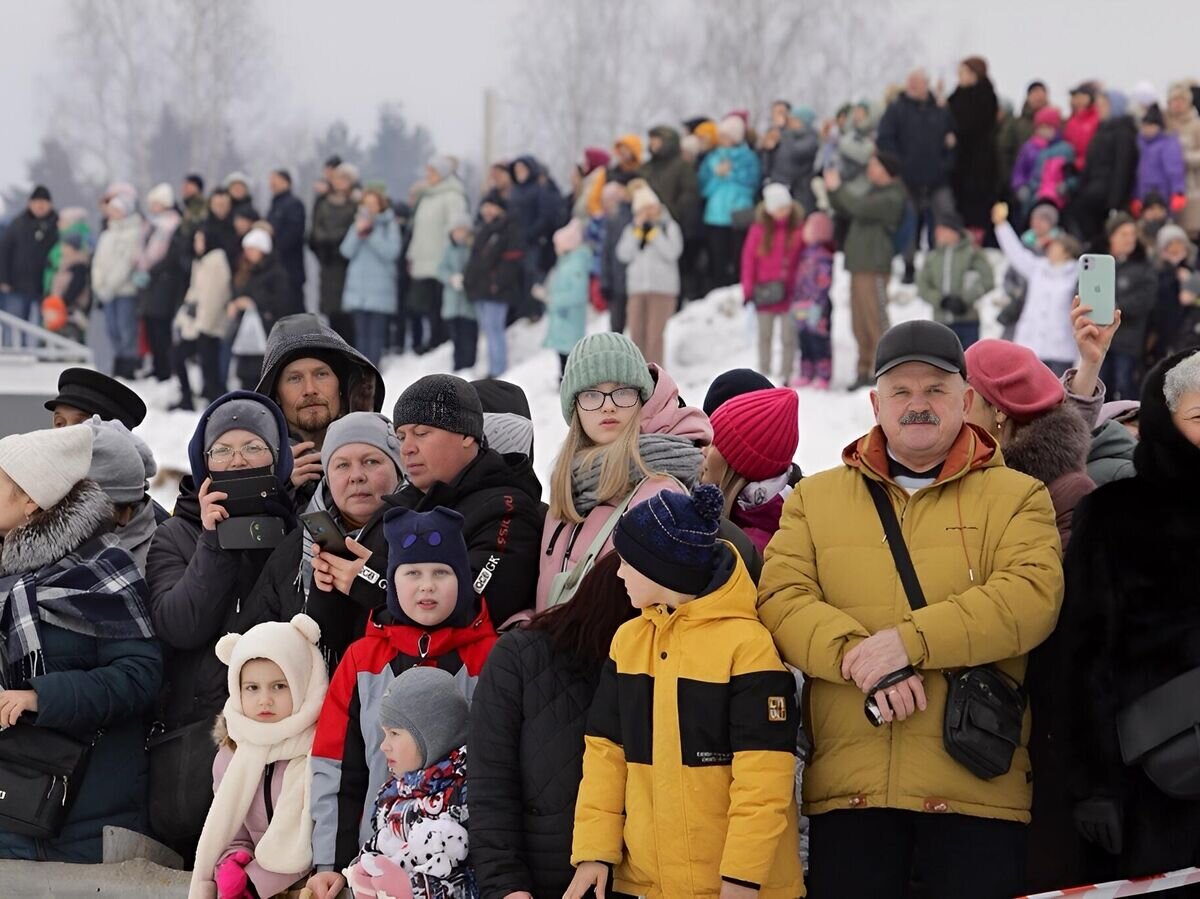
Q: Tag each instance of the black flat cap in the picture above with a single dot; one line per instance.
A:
(920, 341)
(99, 394)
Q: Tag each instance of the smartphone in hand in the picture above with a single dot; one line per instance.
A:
(1098, 286)
(325, 533)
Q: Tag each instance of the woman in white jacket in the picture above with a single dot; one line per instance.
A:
(1045, 324)
(113, 266)
(650, 247)
(204, 315)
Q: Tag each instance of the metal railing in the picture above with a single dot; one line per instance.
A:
(23, 339)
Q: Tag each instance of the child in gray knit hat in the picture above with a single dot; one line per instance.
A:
(419, 844)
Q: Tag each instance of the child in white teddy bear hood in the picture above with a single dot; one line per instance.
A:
(257, 839)
(419, 848)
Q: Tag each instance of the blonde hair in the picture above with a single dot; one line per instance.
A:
(617, 459)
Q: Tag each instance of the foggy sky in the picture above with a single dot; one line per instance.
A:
(343, 59)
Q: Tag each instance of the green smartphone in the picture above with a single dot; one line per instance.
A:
(1098, 286)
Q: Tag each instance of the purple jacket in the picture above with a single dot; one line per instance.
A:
(760, 522)
(1160, 167)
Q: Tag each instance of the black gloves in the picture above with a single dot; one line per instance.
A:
(1098, 821)
(954, 304)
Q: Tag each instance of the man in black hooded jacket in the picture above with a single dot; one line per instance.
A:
(439, 421)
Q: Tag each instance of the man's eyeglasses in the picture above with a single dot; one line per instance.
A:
(251, 452)
(622, 397)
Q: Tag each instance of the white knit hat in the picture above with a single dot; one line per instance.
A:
(776, 196)
(733, 129)
(47, 464)
(257, 239)
(162, 194)
(644, 197)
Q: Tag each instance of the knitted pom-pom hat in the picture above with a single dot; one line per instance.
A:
(757, 433)
(600, 358)
(671, 538)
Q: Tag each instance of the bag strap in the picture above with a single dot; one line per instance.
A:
(895, 542)
(610, 524)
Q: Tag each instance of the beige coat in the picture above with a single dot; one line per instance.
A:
(209, 294)
(1187, 128)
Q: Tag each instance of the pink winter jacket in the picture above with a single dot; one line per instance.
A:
(778, 265)
(267, 883)
(662, 414)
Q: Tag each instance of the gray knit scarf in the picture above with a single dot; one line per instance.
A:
(662, 454)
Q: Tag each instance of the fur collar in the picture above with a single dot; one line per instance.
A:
(51, 534)
(1050, 446)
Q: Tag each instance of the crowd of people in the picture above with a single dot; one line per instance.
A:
(920, 175)
(371, 653)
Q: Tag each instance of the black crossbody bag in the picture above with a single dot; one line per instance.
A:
(1160, 731)
(985, 708)
(40, 773)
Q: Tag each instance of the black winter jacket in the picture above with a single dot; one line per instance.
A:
(163, 296)
(198, 593)
(287, 219)
(330, 222)
(1137, 295)
(527, 727)
(500, 499)
(916, 132)
(673, 178)
(1112, 159)
(494, 269)
(279, 595)
(793, 163)
(267, 284)
(24, 248)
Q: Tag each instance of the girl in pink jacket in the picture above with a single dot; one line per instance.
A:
(769, 258)
(629, 437)
(257, 838)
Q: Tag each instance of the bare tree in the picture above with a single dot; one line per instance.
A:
(132, 60)
(804, 51)
(624, 65)
(599, 71)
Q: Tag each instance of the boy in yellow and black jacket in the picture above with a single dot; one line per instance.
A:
(688, 773)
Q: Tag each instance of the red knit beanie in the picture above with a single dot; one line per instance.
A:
(757, 433)
(1013, 379)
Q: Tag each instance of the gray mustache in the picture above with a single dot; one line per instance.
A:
(920, 418)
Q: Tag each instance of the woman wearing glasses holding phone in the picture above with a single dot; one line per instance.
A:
(629, 437)
(198, 593)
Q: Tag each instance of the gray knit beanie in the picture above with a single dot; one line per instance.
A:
(428, 704)
(441, 401)
(370, 428)
(245, 415)
(122, 463)
(599, 358)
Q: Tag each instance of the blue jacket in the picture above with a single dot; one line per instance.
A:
(731, 193)
(371, 275)
(567, 299)
(454, 262)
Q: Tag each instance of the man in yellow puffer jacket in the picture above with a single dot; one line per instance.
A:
(688, 772)
(887, 804)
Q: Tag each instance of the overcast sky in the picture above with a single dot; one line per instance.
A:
(342, 59)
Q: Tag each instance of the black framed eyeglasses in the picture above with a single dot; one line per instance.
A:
(593, 400)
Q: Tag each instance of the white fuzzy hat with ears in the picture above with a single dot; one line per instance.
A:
(292, 645)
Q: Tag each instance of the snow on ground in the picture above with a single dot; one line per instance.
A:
(708, 337)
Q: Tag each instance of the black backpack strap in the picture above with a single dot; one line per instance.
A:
(895, 542)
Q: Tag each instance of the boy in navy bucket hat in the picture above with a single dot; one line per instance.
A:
(433, 618)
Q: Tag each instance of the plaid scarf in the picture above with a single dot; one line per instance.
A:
(95, 590)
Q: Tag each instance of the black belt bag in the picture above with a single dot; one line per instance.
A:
(40, 773)
(1161, 733)
(985, 708)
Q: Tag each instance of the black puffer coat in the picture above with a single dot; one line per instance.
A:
(527, 725)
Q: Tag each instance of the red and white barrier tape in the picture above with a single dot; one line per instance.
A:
(1138, 887)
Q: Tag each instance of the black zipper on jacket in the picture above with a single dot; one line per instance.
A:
(268, 776)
